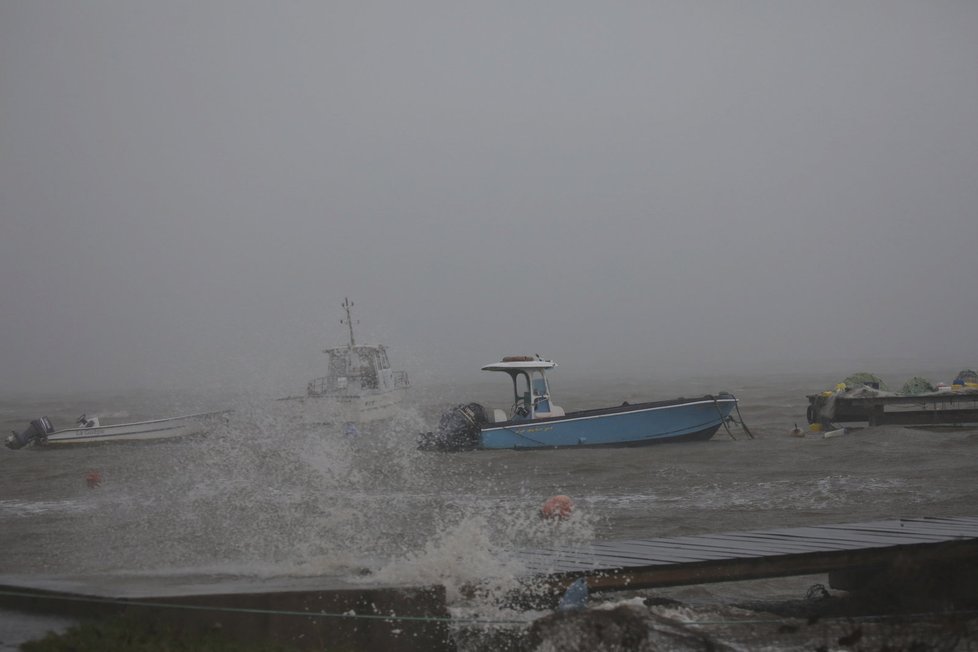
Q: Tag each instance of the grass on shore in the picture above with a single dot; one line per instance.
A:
(127, 634)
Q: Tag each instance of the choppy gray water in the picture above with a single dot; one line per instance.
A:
(267, 498)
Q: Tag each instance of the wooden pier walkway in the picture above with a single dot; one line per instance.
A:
(757, 554)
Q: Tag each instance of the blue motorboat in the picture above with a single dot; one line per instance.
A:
(535, 421)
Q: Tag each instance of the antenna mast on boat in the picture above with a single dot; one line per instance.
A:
(347, 304)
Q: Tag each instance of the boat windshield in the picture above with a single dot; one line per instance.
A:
(359, 363)
(531, 393)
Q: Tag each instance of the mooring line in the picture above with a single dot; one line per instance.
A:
(723, 419)
(743, 424)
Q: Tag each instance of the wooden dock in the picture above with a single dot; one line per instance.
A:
(843, 550)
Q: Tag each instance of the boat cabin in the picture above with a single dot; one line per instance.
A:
(531, 390)
(356, 368)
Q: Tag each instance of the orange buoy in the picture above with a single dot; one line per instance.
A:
(558, 507)
(93, 479)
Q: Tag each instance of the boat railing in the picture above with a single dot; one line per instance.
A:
(326, 384)
(317, 386)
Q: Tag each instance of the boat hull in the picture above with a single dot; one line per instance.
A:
(343, 408)
(638, 425)
(680, 420)
(141, 431)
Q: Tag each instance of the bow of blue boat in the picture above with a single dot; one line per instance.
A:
(535, 420)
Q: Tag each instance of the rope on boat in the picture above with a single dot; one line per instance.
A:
(723, 419)
(742, 423)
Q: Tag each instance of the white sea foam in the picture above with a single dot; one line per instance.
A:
(26, 508)
(806, 493)
(472, 554)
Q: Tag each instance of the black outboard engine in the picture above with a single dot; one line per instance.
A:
(37, 430)
(458, 429)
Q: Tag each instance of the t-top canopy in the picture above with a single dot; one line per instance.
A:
(515, 362)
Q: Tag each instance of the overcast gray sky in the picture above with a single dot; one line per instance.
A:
(189, 189)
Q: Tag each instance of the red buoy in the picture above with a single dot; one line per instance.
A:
(558, 507)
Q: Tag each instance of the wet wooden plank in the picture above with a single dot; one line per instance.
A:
(614, 554)
(783, 546)
(934, 525)
(597, 559)
(815, 541)
(883, 535)
(696, 548)
(754, 554)
(558, 564)
(866, 536)
(728, 545)
(664, 555)
(658, 552)
(946, 519)
(954, 519)
(733, 547)
(892, 525)
(646, 548)
(562, 556)
(939, 526)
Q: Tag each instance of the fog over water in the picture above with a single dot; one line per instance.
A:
(189, 189)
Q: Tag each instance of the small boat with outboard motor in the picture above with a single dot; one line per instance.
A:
(359, 387)
(535, 421)
(89, 430)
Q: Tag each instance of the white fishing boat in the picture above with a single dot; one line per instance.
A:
(90, 430)
(359, 388)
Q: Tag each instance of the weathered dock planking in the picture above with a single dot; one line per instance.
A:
(757, 554)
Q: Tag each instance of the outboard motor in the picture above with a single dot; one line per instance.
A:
(37, 430)
(458, 429)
